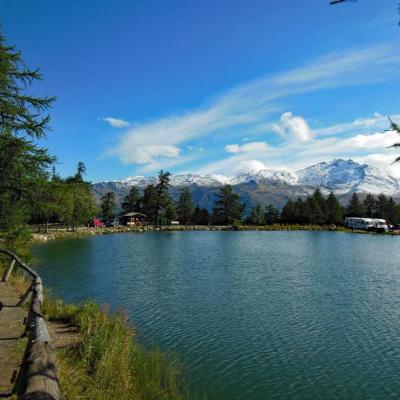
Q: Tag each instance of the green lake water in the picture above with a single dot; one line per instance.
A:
(252, 315)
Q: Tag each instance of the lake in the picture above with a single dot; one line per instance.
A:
(252, 315)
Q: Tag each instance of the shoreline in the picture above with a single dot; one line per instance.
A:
(41, 237)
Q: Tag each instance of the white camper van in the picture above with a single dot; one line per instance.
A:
(366, 223)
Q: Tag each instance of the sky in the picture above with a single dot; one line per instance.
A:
(212, 87)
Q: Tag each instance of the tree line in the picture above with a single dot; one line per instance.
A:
(159, 207)
(317, 209)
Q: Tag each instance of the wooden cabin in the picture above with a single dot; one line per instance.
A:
(134, 218)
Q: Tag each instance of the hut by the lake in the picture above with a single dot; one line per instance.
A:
(133, 219)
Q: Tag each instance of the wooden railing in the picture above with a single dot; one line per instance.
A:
(39, 379)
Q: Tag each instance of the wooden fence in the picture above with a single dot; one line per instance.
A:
(39, 373)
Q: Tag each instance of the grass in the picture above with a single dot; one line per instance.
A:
(108, 363)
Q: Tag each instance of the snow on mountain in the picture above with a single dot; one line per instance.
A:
(264, 176)
(341, 176)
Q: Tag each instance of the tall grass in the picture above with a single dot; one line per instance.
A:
(108, 363)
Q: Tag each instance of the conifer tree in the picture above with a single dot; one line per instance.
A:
(381, 205)
(355, 207)
(271, 214)
(369, 204)
(320, 199)
(227, 208)
(23, 120)
(162, 196)
(201, 216)
(334, 211)
(300, 211)
(257, 215)
(313, 210)
(108, 206)
(391, 215)
(288, 214)
(132, 201)
(149, 202)
(185, 206)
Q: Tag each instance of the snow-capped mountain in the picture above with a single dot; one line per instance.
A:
(344, 177)
(339, 175)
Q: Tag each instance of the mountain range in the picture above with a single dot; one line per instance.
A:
(343, 177)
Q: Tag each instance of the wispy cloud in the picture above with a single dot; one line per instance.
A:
(377, 121)
(247, 148)
(252, 104)
(116, 122)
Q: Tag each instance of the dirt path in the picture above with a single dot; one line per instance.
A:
(11, 330)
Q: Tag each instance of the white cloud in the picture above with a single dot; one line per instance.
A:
(291, 126)
(377, 122)
(247, 148)
(252, 104)
(373, 141)
(297, 154)
(251, 166)
(148, 153)
(116, 122)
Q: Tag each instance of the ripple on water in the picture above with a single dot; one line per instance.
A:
(253, 315)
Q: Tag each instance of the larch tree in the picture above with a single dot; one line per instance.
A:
(23, 121)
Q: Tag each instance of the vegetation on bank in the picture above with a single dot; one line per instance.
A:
(108, 363)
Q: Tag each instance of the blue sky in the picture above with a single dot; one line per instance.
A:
(212, 86)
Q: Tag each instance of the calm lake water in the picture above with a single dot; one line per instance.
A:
(253, 315)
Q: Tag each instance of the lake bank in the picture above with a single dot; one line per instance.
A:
(84, 232)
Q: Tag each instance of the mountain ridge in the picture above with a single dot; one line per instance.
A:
(343, 177)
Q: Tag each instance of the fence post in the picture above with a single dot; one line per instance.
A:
(9, 270)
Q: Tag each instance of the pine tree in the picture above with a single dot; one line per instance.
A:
(320, 199)
(334, 211)
(132, 201)
(369, 204)
(108, 206)
(162, 196)
(185, 206)
(149, 202)
(257, 215)
(227, 208)
(201, 216)
(381, 204)
(288, 214)
(355, 207)
(271, 214)
(314, 212)
(300, 212)
(390, 211)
